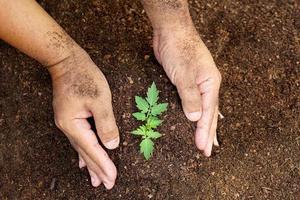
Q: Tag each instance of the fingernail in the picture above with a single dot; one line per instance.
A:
(108, 186)
(94, 181)
(217, 143)
(113, 143)
(207, 154)
(81, 164)
(194, 116)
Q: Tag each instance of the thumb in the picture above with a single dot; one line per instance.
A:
(106, 126)
(190, 99)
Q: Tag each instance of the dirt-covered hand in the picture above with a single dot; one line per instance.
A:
(190, 67)
(80, 91)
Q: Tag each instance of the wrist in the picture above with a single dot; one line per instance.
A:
(64, 64)
(168, 15)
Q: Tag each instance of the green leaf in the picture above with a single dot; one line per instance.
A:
(153, 134)
(159, 108)
(140, 116)
(147, 147)
(139, 131)
(152, 94)
(153, 122)
(141, 104)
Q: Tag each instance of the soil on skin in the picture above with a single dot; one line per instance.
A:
(256, 45)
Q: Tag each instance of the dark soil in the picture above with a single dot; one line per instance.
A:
(256, 45)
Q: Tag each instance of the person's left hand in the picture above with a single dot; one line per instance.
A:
(191, 68)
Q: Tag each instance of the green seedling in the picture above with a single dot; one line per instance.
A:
(149, 110)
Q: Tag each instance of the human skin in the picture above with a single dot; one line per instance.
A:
(189, 65)
(80, 90)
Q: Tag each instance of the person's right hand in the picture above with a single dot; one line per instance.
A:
(80, 91)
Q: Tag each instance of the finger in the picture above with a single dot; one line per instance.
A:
(190, 99)
(93, 154)
(216, 142)
(94, 178)
(212, 135)
(98, 176)
(107, 129)
(92, 167)
(81, 162)
(95, 172)
(209, 90)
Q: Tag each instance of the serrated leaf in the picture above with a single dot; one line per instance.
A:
(152, 94)
(159, 108)
(153, 122)
(153, 134)
(147, 147)
(139, 116)
(141, 104)
(139, 131)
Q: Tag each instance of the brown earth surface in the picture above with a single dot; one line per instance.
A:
(256, 45)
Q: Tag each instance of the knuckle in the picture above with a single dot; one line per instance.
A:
(112, 130)
(96, 144)
(191, 87)
(105, 113)
(186, 88)
(108, 133)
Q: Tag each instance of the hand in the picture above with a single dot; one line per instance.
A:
(191, 68)
(80, 91)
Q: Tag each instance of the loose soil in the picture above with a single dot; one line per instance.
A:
(256, 45)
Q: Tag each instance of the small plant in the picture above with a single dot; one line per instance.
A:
(149, 110)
